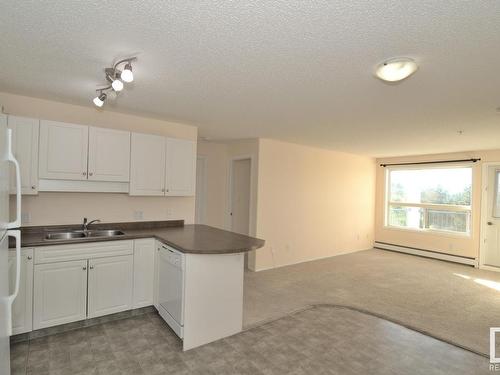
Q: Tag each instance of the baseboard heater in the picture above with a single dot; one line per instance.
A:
(426, 253)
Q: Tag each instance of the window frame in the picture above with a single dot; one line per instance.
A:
(427, 206)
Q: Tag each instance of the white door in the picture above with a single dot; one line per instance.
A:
(144, 270)
(110, 285)
(60, 293)
(25, 133)
(240, 195)
(180, 172)
(109, 155)
(490, 249)
(22, 308)
(201, 190)
(63, 151)
(147, 164)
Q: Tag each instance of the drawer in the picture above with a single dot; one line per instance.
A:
(63, 253)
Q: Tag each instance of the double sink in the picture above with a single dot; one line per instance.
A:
(79, 234)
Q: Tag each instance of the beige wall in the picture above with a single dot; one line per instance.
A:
(66, 208)
(216, 155)
(219, 156)
(447, 243)
(312, 203)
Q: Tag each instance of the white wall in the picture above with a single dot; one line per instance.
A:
(69, 208)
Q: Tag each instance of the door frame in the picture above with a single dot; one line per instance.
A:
(229, 222)
(204, 188)
(484, 214)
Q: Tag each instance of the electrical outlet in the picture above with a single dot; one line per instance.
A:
(138, 215)
(25, 217)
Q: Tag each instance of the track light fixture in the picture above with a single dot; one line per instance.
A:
(115, 77)
(100, 98)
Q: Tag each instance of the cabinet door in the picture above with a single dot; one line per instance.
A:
(22, 308)
(110, 285)
(180, 168)
(63, 151)
(147, 164)
(144, 270)
(109, 155)
(60, 293)
(25, 148)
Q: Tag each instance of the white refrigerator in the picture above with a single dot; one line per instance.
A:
(7, 229)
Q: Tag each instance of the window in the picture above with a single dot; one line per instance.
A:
(430, 198)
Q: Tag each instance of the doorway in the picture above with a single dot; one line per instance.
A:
(240, 186)
(490, 218)
(201, 190)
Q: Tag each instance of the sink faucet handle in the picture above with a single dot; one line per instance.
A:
(86, 223)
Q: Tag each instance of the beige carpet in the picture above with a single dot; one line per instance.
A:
(449, 301)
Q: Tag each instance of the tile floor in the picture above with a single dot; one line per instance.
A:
(319, 340)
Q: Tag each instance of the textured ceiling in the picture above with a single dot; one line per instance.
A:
(300, 71)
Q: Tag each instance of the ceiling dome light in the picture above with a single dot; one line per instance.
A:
(117, 85)
(395, 70)
(127, 75)
(99, 100)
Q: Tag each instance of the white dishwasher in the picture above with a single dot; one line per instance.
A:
(171, 265)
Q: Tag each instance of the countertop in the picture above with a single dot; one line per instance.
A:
(189, 239)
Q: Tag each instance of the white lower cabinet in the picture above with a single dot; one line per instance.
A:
(60, 293)
(22, 309)
(144, 272)
(110, 285)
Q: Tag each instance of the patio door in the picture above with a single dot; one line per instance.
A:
(490, 248)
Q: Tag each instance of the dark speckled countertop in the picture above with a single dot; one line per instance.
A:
(190, 239)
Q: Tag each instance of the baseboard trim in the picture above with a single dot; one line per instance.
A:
(427, 253)
(307, 260)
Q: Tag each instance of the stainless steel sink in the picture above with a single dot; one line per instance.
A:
(64, 235)
(78, 234)
(104, 233)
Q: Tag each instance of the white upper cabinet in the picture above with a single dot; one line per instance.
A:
(25, 133)
(162, 166)
(109, 155)
(147, 165)
(63, 151)
(180, 167)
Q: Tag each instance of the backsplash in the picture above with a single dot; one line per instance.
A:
(69, 208)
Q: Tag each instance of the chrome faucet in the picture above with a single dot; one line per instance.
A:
(86, 223)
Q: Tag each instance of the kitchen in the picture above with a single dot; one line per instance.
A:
(68, 276)
(225, 187)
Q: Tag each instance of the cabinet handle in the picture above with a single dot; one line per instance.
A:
(84, 268)
(33, 187)
(91, 174)
(91, 267)
(84, 173)
(30, 257)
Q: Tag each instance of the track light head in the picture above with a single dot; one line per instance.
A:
(117, 85)
(99, 99)
(127, 75)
